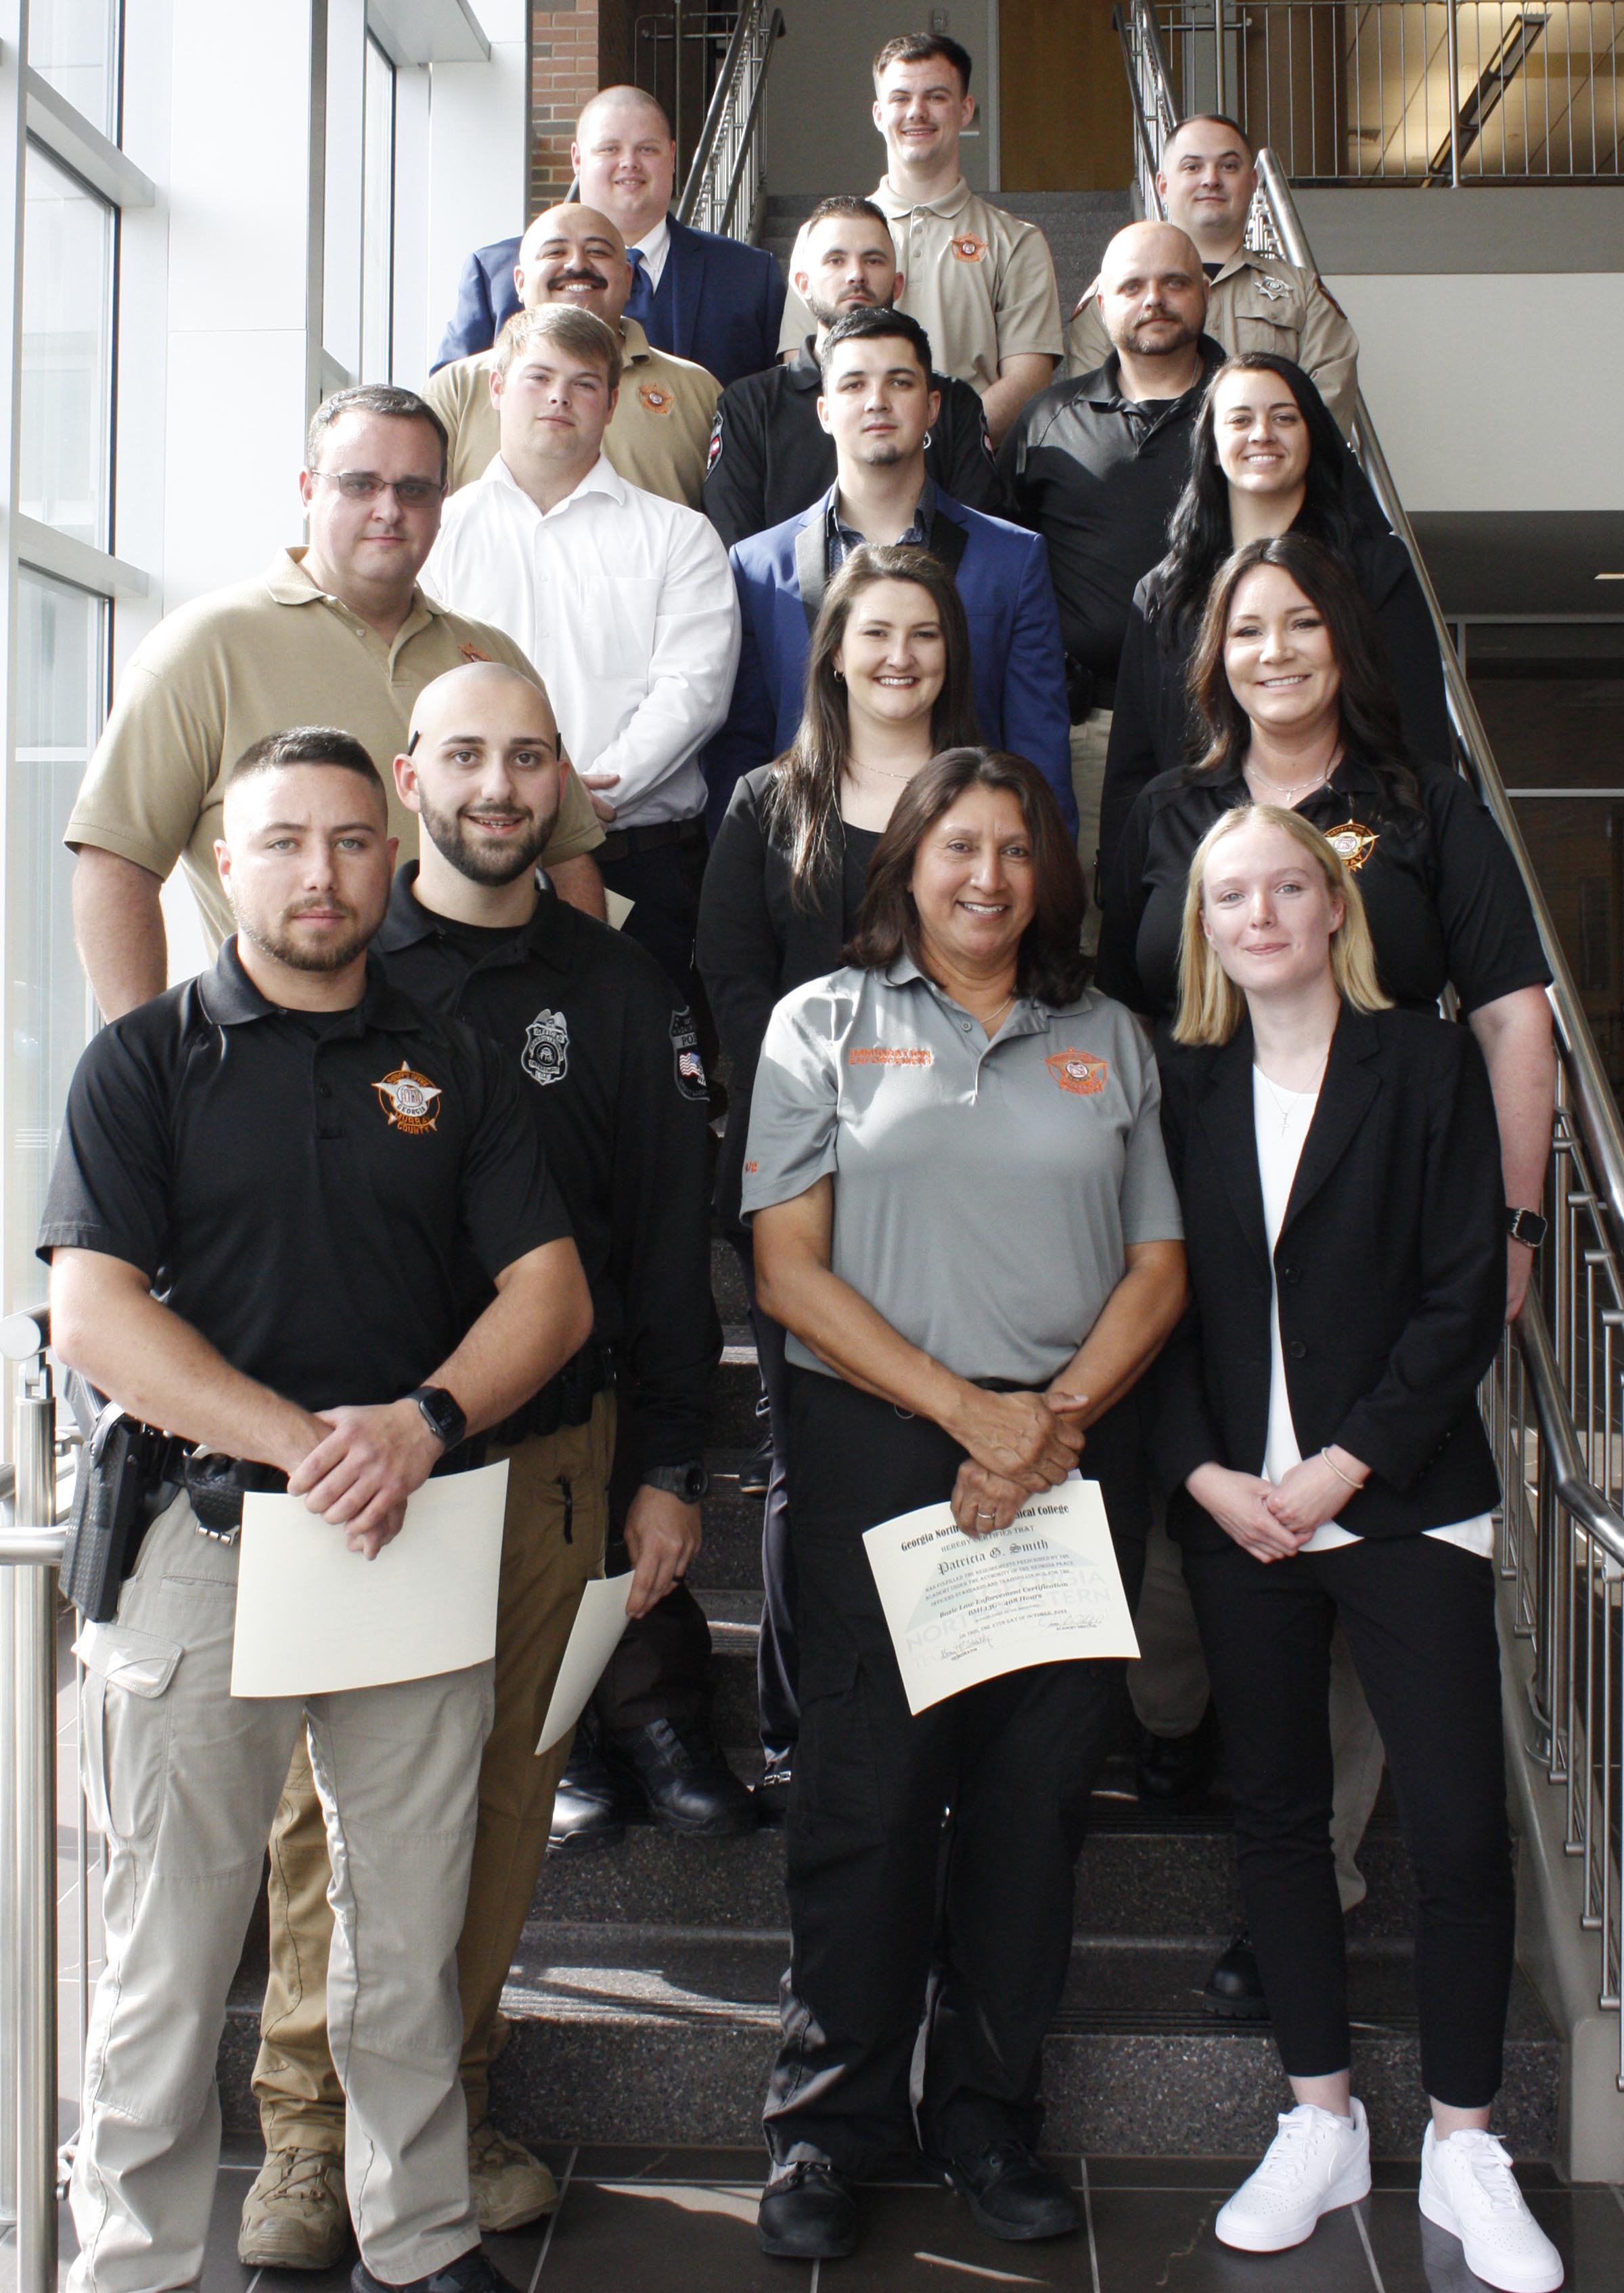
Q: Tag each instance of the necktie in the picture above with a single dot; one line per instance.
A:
(640, 302)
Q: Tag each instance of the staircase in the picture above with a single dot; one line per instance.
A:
(1077, 223)
(643, 2006)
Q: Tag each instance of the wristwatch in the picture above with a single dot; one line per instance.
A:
(688, 1482)
(443, 1413)
(1526, 1225)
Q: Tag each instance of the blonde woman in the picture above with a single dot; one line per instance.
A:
(1316, 1418)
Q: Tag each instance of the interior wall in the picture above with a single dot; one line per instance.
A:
(820, 135)
(1067, 123)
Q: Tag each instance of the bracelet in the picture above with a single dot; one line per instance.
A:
(1336, 1469)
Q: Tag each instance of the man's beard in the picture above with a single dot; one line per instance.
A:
(1181, 341)
(830, 314)
(499, 863)
(276, 939)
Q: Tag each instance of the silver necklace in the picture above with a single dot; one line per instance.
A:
(1288, 795)
(1296, 1097)
(852, 766)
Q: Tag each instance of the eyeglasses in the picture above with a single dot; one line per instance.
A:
(366, 485)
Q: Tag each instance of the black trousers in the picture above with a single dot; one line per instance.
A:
(663, 888)
(777, 1650)
(882, 1891)
(662, 1668)
(1420, 1619)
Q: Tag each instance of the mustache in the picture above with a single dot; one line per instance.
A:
(578, 278)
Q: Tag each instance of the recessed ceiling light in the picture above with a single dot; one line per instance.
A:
(1610, 577)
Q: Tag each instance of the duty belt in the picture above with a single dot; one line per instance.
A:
(216, 1485)
(621, 843)
(565, 1399)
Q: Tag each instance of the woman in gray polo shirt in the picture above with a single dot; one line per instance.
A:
(963, 1218)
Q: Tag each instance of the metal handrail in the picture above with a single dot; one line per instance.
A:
(730, 138)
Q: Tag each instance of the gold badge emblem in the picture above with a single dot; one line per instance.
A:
(656, 400)
(1078, 1071)
(407, 1099)
(967, 249)
(1352, 843)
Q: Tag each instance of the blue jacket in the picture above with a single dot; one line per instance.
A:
(1017, 661)
(718, 303)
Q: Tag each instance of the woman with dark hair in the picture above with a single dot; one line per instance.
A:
(888, 685)
(961, 1216)
(1267, 458)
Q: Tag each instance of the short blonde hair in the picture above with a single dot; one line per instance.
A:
(583, 332)
(1210, 1004)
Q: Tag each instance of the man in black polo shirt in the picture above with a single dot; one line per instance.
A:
(272, 1184)
(1095, 465)
(606, 1063)
(769, 454)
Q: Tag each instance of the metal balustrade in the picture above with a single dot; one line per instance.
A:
(727, 181)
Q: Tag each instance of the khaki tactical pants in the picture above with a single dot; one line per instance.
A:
(552, 1543)
(183, 1780)
(1088, 746)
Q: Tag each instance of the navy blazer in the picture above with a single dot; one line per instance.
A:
(1017, 661)
(718, 303)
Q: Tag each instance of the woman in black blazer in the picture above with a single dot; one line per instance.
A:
(888, 687)
(1316, 1425)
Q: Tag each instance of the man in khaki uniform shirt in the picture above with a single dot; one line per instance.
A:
(661, 428)
(980, 281)
(337, 632)
(1258, 303)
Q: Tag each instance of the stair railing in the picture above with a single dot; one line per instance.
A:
(1554, 1402)
(727, 181)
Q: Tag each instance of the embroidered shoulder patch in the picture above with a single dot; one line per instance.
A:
(1078, 1071)
(687, 1065)
(713, 450)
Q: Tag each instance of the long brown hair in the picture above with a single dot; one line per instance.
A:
(803, 796)
(1050, 963)
(1371, 732)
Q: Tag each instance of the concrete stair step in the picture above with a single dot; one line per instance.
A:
(733, 1389)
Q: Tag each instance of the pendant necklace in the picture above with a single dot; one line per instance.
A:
(1295, 1098)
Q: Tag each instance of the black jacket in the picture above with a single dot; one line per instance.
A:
(1154, 730)
(1390, 1267)
(771, 457)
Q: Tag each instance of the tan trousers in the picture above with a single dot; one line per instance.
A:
(1088, 746)
(543, 1571)
(183, 1779)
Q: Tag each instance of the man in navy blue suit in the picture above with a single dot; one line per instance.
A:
(877, 405)
(695, 294)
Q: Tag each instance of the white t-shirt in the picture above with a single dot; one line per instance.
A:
(1281, 1121)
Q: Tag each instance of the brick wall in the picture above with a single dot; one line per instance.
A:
(563, 73)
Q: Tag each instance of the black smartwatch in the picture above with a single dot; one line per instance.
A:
(443, 1413)
(1526, 1225)
(688, 1482)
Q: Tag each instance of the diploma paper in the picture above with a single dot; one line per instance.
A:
(599, 1622)
(966, 1608)
(313, 1617)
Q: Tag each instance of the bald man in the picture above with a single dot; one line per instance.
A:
(608, 1068)
(661, 428)
(699, 295)
(1095, 464)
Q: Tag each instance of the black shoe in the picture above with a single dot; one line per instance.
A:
(590, 1805)
(1234, 1988)
(771, 1790)
(757, 1470)
(1175, 1768)
(688, 1784)
(807, 2213)
(1010, 2195)
(470, 2273)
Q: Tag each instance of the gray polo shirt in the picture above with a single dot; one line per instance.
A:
(984, 1192)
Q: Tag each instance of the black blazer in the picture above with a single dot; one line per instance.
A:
(1390, 1269)
(753, 943)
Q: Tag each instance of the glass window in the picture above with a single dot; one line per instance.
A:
(67, 352)
(378, 218)
(61, 687)
(74, 44)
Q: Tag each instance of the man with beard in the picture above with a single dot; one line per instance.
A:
(604, 1055)
(770, 455)
(1095, 465)
(276, 1189)
(658, 432)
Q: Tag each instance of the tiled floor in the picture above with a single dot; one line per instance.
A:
(683, 2221)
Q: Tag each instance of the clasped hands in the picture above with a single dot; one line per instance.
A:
(1273, 1521)
(356, 1467)
(1019, 1444)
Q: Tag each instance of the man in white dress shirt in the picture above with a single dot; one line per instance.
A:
(625, 602)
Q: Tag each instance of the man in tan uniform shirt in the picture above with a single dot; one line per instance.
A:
(1258, 303)
(980, 281)
(337, 633)
(661, 428)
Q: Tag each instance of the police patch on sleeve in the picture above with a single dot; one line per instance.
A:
(713, 451)
(689, 1067)
(545, 1056)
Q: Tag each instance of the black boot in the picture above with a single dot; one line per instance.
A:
(807, 2213)
(590, 1805)
(688, 1784)
(1010, 2195)
(1234, 1988)
(1174, 1769)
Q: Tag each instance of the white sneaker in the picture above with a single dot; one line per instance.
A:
(1467, 2187)
(1315, 2163)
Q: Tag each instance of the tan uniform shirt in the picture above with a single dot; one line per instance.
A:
(979, 280)
(658, 435)
(219, 674)
(1258, 303)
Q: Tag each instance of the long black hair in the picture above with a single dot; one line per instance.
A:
(1336, 498)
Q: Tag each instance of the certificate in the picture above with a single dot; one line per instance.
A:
(967, 1609)
(314, 1617)
(600, 1622)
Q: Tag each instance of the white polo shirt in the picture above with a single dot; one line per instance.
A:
(627, 606)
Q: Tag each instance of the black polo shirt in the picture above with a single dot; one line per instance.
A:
(610, 1073)
(1098, 477)
(1442, 897)
(770, 457)
(303, 1189)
